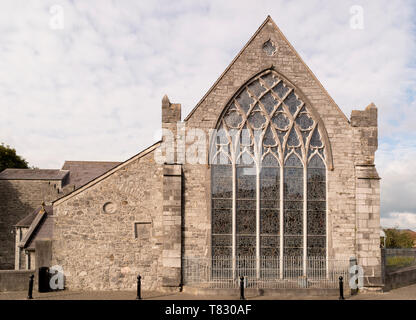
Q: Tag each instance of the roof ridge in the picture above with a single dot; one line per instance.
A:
(268, 19)
(33, 174)
(106, 174)
(309, 70)
(228, 67)
(99, 161)
(34, 169)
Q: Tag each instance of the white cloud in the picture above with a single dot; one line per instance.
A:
(401, 220)
(93, 90)
(396, 166)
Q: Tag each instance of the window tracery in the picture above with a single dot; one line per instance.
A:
(269, 144)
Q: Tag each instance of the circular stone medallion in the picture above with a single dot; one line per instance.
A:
(109, 207)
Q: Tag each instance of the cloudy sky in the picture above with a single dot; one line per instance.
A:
(83, 80)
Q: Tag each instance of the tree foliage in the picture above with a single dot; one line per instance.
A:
(9, 158)
(396, 238)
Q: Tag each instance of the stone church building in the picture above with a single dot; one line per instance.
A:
(266, 169)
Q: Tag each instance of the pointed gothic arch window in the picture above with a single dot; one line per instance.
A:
(221, 197)
(269, 157)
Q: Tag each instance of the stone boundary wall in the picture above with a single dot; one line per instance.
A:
(15, 280)
(401, 278)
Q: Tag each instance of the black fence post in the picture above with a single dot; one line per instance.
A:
(341, 288)
(383, 266)
(29, 293)
(139, 288)
(242, 288)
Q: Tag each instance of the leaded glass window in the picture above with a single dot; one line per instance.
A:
(268, 167)
(246, 206)
(293, 206)
(316, 225)
(222, 194)
(269, 206)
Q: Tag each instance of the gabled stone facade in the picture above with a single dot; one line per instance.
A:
(96, 236)
(95, 240)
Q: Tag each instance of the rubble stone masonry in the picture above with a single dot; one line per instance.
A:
(94, 236)
(18, 198)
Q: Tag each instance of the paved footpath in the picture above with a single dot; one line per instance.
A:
(405, 293)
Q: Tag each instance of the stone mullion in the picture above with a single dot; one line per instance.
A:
(258, 218)
(326, 222)
(281, 227)
(281, 100)
(308, 141)
(305, 201)
(305, 217)
(234, 215)
(265, 85)
(286, 137)
(295, 115)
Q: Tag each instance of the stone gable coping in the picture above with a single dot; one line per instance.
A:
(33, 227)
(268, 19)
(107, 174)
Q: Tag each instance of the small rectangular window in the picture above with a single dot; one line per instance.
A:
(142, 230)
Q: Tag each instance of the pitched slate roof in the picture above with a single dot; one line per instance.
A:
(33, 174)
(40, 228)
(27, 221)
(40, 222)
(82, 172)
(107, 174)
(44, 230)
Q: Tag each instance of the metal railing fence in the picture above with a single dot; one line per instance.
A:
(264, 272)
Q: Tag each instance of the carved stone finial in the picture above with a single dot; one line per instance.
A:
(371, 106)
(42, 209)
(171, 112)
(165, 99)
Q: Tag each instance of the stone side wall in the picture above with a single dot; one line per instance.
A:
(341, 181)
(18, 198)
(368, 228)
(197, 211)
(365, 129)
(94, 235)
(172, 225)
